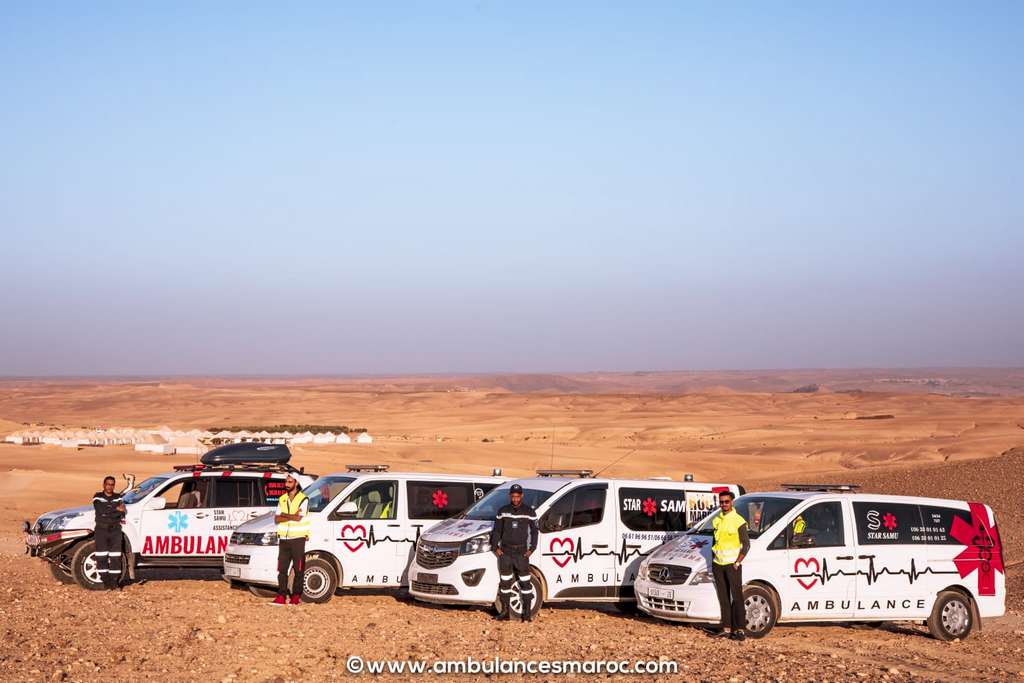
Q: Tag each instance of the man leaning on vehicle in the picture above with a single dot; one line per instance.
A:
(732, 543)
(109, 508)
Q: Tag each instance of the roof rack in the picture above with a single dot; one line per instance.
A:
(822, 488)
(367, 468)
(582, 474)
(242, 467)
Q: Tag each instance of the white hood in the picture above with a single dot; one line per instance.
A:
(451, 530)
(687, 551)
(260, 525)
(82, 517)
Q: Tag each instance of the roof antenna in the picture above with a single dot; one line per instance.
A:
(616, 462)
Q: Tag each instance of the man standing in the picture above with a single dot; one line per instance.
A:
(732, 542)
(109, 508)
(514, 538)
(292, 533)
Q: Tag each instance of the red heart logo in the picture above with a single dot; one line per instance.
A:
(362, 534)
(562, 561)
(806, 564)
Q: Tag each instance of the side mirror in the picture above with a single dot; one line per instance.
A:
(347, 510)
(156, 503)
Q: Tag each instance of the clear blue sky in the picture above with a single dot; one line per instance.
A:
(388, 188)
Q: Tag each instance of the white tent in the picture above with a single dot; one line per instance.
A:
(343, 438)
(364, 438)
(305, 437)
(187, 445)
(15, 438)
(324, 437)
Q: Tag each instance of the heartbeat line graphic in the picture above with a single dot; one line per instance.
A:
(370, 539)
(575, 551)
(822, 573)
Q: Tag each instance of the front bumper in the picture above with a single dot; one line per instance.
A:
(251, 564)
(678, 602)
(53, 545)
(449, 586)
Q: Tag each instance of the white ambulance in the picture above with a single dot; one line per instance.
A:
(593, 534)
(365, 525)
(827, 553)
(178, 520)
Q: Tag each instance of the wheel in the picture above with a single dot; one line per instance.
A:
(261, 592)
(516, 603)
(762, 610)
(84, 568)
(952, 616)
(61, 573)
(319, 581)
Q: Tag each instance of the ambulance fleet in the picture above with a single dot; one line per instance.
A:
(817, 553)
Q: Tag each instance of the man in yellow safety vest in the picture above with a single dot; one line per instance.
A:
(732, 542)
(292, 532)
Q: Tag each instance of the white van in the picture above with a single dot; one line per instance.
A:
(830, 554)
(365, 525)
(593, 535)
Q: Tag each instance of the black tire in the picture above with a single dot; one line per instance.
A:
(952, 616)
(60, 573)
(83, 567)
(260, 591)
(762, 610)
(319, 581)
(516, 605)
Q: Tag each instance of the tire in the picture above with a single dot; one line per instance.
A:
(515, 604)
(762, 610)
(60, 573)
(84, 568)
(260, 591)
(952, 616)
(319, 581)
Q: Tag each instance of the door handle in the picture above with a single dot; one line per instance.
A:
(845, 557)
(200, 515)
(865, 557)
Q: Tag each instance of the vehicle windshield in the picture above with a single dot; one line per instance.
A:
(761, 512)
(322, 491)
(143, 489)
(486, 509)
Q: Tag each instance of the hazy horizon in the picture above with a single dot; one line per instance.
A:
(353, 190)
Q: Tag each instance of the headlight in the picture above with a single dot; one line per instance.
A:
(642, 574)
(268, 538)
(61, 521)
(700, 577)
(241, 538)
(477, 544)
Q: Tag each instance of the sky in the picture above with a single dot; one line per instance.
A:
(342, 188)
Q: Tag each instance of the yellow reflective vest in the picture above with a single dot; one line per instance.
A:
(726, 549)
(293, 506)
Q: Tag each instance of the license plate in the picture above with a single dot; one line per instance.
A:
(232, 571)
(427, 578)
(663, 593)
(32, 539)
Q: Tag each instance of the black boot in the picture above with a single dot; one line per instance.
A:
(505, 611)
(527, 604)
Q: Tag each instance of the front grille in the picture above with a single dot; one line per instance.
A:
(434, 588)
(668, 574)
(649, 602)
(236, 559)
(435, 556)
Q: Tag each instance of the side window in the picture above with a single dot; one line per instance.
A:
(481, 490)
(819, 526)
(651, 509)
(187, 494)
(237, 492)
(374, 500)
(438, 500)
(273, 488)
(579, 508)
(937, 525)
(881, 523)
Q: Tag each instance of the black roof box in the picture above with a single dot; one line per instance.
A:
(248, 453)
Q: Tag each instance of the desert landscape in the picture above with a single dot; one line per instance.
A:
(951, 433)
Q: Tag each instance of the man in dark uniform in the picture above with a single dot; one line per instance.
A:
(109, 507)
(514, 538)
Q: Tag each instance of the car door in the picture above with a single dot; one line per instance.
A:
(821, 563)
(575, 545)
(648, 516)
(236, 500)
(371, 538)
(183, 528)
(892, 561)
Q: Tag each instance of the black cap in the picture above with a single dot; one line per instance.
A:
(515, 488)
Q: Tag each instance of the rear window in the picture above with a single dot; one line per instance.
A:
(438, 500)
(652, 509)
(881, 523)
(937, 523)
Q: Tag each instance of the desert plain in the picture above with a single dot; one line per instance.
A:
(944, 433)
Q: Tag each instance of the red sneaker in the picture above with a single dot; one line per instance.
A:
(279, 600)
(296, 599)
